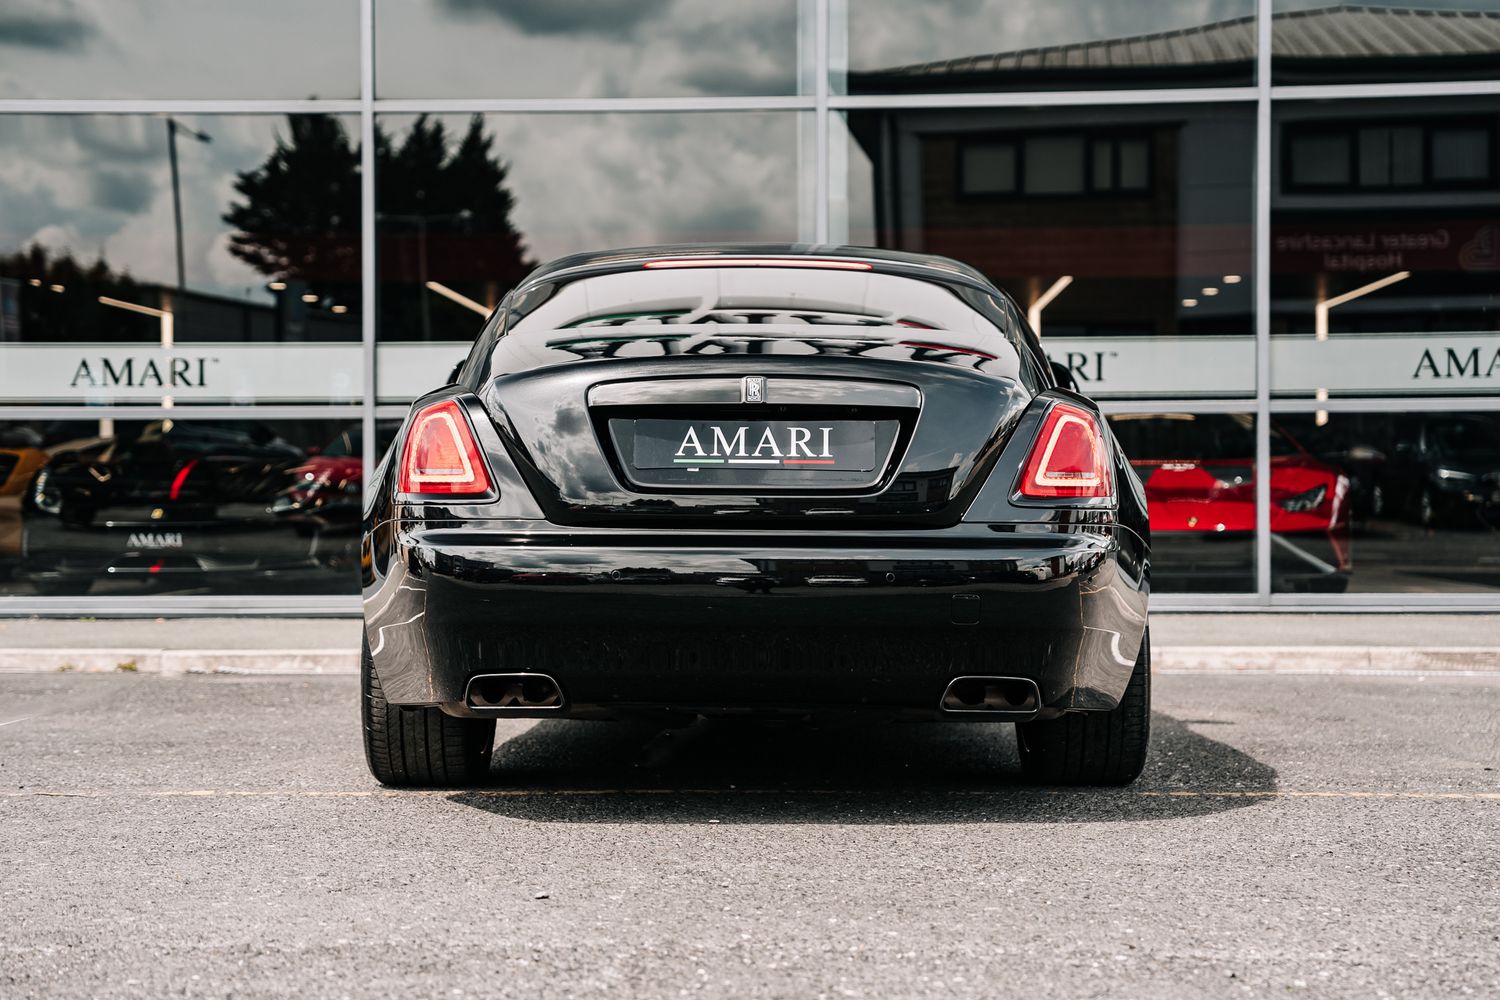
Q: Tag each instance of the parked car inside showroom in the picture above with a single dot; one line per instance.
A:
(1199, 475)
(325, 494)
(170, 502)
(780, 481)
(21, 454)
(1444, 470)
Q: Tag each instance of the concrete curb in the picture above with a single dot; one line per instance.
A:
(179, 661)
(1227, 660)
(1326, 659)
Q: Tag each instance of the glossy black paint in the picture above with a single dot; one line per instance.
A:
(711, 601)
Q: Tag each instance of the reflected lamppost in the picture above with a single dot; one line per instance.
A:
(459, 297)
(173, 127)
(1034, 311)
(1320, 321)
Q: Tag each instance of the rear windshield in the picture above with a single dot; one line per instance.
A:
(764, 301)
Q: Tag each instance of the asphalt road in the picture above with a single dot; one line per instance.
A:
(219, 836)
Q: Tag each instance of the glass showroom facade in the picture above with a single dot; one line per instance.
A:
(237, 239)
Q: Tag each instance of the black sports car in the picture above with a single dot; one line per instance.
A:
(1444, 470)
(778, 481)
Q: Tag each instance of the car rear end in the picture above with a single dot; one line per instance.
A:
(781, 485)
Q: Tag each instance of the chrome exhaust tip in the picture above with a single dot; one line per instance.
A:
(512, 692)
(1017, 696)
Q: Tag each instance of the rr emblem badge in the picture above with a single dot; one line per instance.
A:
(753, 389)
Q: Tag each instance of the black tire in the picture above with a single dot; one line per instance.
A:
(420, 747)
(1093, 748)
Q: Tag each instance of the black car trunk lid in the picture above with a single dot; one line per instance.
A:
(759, 440)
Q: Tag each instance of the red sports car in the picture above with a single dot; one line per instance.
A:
(1199, 473)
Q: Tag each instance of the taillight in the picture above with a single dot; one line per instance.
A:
(440, 456)
(1068, 457)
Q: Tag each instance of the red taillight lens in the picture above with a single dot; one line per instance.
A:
(1067, 459)
(440, 455)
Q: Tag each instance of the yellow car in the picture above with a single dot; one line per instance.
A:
(17, 464)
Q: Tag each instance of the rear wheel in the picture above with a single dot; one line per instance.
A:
(1093, 748)
(420, 747)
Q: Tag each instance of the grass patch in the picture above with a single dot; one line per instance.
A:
(128, 667)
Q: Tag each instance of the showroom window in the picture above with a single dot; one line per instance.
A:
(239, 239)
(1131, 289)
(459, 220)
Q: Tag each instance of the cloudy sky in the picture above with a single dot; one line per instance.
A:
(179, 48)
(591, 181)
(534, 48)
(585, 48)
(100, 185)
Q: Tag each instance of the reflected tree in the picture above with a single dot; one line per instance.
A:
(445, 235)
(298, 221)
(61, 298)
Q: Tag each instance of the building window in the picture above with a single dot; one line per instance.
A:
(990, 168)
(1333, 156)
(1055, 163)
(1462, 155)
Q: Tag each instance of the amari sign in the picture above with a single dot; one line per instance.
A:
(1398, 364)
(198, 373)
(1194, 367)
(181, 372)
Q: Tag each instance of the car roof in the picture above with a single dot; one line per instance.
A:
(603, 261)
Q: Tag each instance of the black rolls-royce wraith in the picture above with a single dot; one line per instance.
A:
(785, 481)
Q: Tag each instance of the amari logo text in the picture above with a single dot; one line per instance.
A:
(154, 540)
(775, 446)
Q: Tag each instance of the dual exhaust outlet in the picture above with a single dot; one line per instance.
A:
(529, 692)
(1005, 696)
(521, 692)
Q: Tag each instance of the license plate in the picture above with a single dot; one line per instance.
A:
(777, 453)
(811, 446)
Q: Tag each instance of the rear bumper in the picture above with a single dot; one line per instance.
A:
(750, 621)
